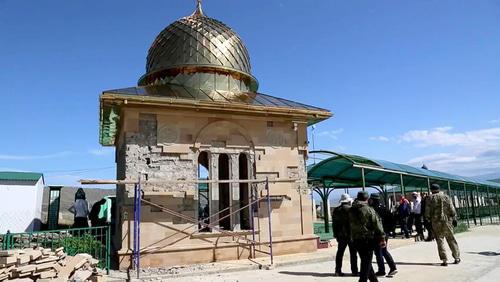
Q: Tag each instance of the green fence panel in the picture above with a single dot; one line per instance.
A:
(95, 241)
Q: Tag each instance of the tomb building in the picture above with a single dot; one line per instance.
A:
(197, 114)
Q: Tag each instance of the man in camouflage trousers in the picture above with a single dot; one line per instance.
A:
(366, 233)
(440, 212)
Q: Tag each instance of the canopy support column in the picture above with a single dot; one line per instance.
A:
(466, 205)
(489, 203)
(479, 206)
(363, 178)
(498, 204)
(402, 185)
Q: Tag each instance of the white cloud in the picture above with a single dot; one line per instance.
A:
(494, 121)
(104, 151)
(473, 152)
(331, 133)
(444, 136)
(34, 157)
(380, 138)
(463, 163)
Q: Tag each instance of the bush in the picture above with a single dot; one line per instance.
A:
(461, 227)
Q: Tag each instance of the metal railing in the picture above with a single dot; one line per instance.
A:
(95, 241)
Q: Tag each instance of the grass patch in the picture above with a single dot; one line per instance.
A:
(461, 227)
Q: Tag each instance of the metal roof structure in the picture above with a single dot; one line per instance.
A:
(199, 63)
(19, 178)
(343, 170)
(183, 96)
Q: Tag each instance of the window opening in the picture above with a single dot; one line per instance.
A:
(203, 192)
(224, 198)
(244, 192)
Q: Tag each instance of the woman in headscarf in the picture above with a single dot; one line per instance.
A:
(80, 208)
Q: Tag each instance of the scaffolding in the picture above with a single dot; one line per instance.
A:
(255, 197)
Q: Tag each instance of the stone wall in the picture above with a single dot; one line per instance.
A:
(164, 145)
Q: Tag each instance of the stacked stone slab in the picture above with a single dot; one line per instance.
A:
(41, 264)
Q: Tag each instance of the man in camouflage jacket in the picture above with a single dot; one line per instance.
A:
(366, 233)
(440, 212)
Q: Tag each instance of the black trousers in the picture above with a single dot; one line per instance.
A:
(340, 255)
(365, 249)
(383, 253)
(80, 222)
(428, 226)
(418, 224)
(403, 222)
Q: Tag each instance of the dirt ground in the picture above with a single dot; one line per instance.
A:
(480, 250)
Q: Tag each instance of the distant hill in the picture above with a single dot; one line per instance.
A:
(496, 180)
(68, 197)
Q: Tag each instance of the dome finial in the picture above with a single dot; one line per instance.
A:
(199, 10)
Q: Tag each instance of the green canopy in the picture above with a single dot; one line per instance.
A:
(342, 171)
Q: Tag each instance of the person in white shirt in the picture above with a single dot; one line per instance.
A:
(416, 215)
(80, 209)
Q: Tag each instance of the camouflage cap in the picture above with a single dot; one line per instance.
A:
(375, 196)
(435, 187)
(362, 196)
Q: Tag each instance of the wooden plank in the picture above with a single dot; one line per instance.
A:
(43, 266)
(35, 254)
(26, 268)
(22, 259)
(48, 274)
(8, 260)
(49, 259)
(66, 272)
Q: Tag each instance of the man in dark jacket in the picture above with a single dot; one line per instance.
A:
(367, 232)
(342, 232)
(388, 223)
(427, 223)
(403, 214)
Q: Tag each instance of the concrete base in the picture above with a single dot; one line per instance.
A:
(174, 256)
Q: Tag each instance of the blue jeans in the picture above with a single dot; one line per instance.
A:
(383, 253)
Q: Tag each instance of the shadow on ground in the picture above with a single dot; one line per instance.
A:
(418, 263)
(485, 253)
(314, 274)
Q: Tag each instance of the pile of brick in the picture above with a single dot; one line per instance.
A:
(42, 265)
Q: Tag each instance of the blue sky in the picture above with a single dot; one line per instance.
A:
(408, 81)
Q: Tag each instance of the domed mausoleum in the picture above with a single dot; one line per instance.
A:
(197, 114)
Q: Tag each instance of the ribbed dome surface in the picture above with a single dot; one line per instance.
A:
(198, 41)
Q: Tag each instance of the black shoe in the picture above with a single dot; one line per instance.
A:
(444, 263)
(380, 273)
(392, 272)
(355, 273)
(457, 261)
(340, 274)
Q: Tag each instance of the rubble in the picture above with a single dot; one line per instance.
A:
(40, 264)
